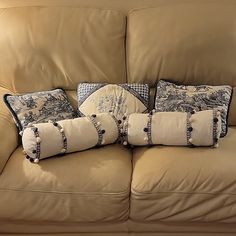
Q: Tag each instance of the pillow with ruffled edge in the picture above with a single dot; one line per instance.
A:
(39, 107)
(173, 97)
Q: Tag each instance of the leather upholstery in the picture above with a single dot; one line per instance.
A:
(125, 228)
(121, 5)
(89, 192)
(72, 96)
(81, 187)
(183, 48)
(176, 184)
(8, 131)
(61, 49)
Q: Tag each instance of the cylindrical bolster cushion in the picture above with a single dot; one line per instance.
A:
(49, 139)
(174, 128)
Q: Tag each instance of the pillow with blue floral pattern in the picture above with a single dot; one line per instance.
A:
(39, 107)
(171, 97)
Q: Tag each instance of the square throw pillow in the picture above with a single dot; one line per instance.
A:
(182, 98)
(119, 99)
(39, 107)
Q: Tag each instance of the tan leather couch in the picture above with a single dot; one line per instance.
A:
(113, 190)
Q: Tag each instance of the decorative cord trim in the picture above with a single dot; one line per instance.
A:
(188, 129)
(125, 132)
(215, 128)
(149, 132)
(38, 146)
(118, 127)
(97, 127)
(64, 139)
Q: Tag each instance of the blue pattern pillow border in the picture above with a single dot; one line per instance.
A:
(89, 88)
(197, 86)
(144, 99)
(227, 115)
(15, 117)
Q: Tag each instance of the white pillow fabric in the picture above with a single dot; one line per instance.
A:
(173, 128)
(49, 139)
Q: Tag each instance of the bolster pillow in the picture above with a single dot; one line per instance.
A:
(173, 128)
(49, 139)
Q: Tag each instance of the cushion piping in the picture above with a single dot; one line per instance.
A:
(136, 193)
(123, 193)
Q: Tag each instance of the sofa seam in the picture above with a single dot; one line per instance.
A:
(161, 5)
(136, 193)
(118, 11)
(125, 193)
(127, 40)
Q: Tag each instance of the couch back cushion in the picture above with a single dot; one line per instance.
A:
(189, 43)
(49, 47)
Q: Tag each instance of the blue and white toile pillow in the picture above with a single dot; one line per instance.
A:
(173, 97)
(39, 107)
(120, 99)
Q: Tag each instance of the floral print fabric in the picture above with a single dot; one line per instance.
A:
(172, 97)
(39, 107)
(120, 99)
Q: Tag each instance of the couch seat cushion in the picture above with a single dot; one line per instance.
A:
(88, 186)
(185, 184)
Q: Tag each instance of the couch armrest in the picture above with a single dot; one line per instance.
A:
(8, 132)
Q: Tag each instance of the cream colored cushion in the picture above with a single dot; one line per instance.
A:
(48, 139)
(178, 184)
(124, 228)
(60, 47)
(190, 43)
(8, 131)
(82, 187)
(174, 128)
